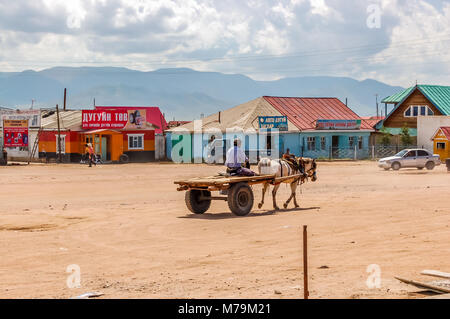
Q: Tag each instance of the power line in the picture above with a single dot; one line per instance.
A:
(399, 44)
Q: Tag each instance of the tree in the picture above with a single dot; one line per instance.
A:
(385, 136)
(405, 136)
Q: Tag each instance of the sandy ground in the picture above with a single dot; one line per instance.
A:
(129, 231)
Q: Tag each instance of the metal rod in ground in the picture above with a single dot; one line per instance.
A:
(305, 262)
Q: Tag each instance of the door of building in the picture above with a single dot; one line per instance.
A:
(335, 146)
(104, 148)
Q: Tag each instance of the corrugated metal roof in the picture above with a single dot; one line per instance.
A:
(398, 97)
(372, 122)
(304, 112)
(446, 131)
(437, 94)
(68, 120)
(244, 116)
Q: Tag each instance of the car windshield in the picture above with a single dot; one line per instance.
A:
(401, 153)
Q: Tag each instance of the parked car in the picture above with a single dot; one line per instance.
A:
(418, 158)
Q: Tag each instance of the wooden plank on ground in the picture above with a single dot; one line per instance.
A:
(424, 285)
(436, 273)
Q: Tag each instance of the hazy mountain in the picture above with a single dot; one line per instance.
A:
(180, 93)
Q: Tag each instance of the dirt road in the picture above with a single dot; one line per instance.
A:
(128, 230)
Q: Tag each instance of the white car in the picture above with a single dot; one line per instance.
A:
(418, 158)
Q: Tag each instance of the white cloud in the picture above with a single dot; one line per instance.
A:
(319, 7)
(426, 54)
(307, 37)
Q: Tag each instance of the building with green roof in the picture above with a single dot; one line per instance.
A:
(419, 100)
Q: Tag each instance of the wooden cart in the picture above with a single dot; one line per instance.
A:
(238, 189)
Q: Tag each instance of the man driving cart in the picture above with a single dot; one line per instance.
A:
(237, 162)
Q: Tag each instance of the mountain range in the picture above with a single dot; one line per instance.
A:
(181, 93)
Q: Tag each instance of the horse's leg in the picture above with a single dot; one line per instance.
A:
(290, 197)
(274, 195)
(294, 193)
(264, 189)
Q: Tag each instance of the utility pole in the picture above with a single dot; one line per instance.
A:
(59, 134)
(65, 95)
(376, 102)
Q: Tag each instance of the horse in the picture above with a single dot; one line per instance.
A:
(305, 166)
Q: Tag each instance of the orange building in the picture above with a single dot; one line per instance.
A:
(441, 142)
(131, 138)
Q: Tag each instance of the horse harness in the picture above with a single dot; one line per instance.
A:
(288, 164)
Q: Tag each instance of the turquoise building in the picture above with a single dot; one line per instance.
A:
(320, 128)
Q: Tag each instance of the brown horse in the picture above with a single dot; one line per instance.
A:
(305, 166)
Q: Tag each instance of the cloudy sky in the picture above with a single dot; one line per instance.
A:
(395, 41)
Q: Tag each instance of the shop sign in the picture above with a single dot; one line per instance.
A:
(273, 122)
(114, 119)
(338, 124)
(33, 116)
(15, 133)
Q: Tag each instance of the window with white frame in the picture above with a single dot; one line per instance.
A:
(360, 142)
(416, 110)
(135, 141)
(63, 144)
(311, 142)
(351, 141)
(323, 143)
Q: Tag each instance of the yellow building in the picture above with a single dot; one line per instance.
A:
(441, 142)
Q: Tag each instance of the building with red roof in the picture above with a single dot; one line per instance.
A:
(313, 127)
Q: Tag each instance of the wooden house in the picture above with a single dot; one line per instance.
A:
(441, 142)
(420, 100)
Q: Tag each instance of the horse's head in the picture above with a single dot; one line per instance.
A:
(309, 167)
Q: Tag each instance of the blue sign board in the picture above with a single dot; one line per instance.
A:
(273, 122)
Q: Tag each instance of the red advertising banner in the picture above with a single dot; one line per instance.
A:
(113, 119)
(15, 133)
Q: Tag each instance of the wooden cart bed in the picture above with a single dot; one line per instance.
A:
(220, 182)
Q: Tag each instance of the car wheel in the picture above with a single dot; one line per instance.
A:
(430, 165)
(396, 166)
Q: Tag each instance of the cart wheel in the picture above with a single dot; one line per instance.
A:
(240, 199)
(194, 202)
